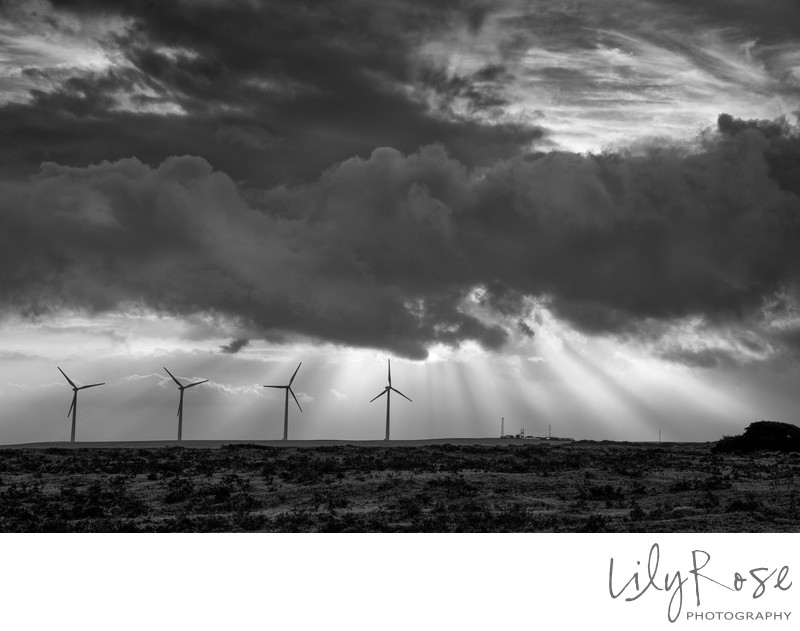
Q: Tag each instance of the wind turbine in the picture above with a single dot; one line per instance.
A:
(289, 390)
(73, 409)
(180, 405)
(386, 391)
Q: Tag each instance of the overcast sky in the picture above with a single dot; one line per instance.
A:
(583, 214)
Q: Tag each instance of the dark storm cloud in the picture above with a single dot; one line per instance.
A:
(524, 328)
(181, 240)
(234, 346)
(268, 92)
(387, 251)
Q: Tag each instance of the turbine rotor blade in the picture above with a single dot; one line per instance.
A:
(276, 386)
(295, 398)
(192, 385)
(93, 385)
(389, 364)
(295, 373)
(180, 385)
(379, 396)
(180, 407)
(74, 400)
(400, 393)
(67, 378)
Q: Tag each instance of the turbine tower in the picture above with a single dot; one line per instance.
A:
(181, 387)
(289, 391)
(73, 409)
(387, 392)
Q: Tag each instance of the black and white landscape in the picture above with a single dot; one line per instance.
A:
(746, 483)
(577, 219)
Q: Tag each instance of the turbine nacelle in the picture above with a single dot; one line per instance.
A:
(75, 388)
(389, 387)
(288, 387)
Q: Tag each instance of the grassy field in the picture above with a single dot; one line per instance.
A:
(468, 486)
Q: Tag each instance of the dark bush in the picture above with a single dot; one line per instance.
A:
(762, 435)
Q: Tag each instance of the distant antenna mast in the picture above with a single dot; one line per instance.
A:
(548, 432)
(502, 426)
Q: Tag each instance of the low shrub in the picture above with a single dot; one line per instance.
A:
(762, 435)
